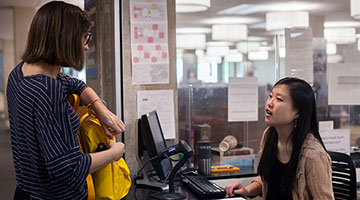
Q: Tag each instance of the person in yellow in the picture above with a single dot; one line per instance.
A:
(294, 163)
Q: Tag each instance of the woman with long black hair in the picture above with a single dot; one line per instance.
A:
(294, 163)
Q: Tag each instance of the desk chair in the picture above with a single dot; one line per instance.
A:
(343, 176)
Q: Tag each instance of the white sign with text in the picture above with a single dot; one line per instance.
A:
(337, 140)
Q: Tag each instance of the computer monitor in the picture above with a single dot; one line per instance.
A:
(154, 142)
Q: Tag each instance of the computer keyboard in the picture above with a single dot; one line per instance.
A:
(202, 187)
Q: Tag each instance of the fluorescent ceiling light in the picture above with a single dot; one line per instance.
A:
(340, 35)
(234, 56)
(335, 24)
(191, 30)
(190, 41)
(271, 33)
(79, 3)
(330, 48)
(335, 58)
(245, 47)
(217, 51)
(199, 52)
(355, 9)
(229, 32)
(266, 48)
(264, 43)
(257, 38)
(219, 44)
(210, 59)
(231, 20)
(184, 6)
(281, 20)
(258, 55)
(238, 57)
(246, 9)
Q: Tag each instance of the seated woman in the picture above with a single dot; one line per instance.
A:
(294, 163)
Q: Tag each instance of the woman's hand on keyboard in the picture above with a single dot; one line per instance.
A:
(236, 188)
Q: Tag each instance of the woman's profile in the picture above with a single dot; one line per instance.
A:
(294, 163)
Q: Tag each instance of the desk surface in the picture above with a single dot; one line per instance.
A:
(139, 193)
(142, 193)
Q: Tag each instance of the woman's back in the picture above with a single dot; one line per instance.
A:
(43, 136)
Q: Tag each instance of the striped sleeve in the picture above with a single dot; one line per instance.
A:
(66, 165)
(71, 85)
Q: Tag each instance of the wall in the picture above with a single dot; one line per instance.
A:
(130, 91)
(22, 21)
(17, 21)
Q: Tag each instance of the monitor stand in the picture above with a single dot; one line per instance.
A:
(171, 194)
(146, 182)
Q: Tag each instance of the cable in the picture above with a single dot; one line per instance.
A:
(147, 162)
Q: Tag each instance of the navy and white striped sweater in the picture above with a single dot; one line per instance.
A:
(47, 159)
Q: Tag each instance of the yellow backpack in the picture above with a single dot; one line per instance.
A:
(113, 180)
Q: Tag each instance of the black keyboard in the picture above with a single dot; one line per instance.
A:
(203, 187)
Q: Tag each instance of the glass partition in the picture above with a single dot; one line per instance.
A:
(204, 72)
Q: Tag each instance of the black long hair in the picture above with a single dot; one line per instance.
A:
(303, 100)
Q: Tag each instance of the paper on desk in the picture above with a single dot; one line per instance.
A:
(242, 99)
(163, 102)
(344, 84)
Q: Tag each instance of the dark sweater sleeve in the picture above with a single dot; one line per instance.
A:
(66, 165)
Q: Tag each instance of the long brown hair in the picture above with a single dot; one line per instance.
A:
(56, 35)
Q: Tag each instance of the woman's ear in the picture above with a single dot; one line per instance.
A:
(297, 115)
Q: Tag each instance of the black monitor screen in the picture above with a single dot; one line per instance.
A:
(154, 142)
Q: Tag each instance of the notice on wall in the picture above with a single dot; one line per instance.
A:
(299, 53)
(149, 42)
(163, 102)
(337, 140)
(344, 84)
(242, 99)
